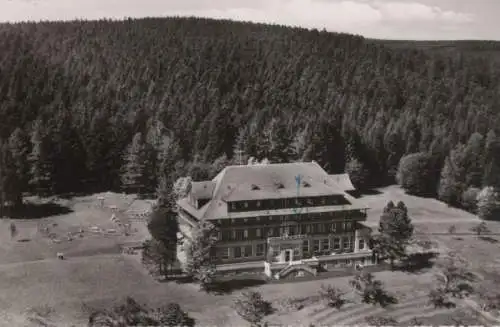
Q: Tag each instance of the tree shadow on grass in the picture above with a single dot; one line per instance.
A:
(228, 286)
(361, 193)
(385, 299)
(37, 211)
(417, 262)
(488, 239)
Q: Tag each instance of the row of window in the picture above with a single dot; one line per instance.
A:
(303, 229)
(303, 216)
(318, 246)
(287, 203)
(242, 251)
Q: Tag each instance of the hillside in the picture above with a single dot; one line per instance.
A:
(487, 49)
(100, 104)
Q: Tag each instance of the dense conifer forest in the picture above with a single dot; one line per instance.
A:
(89, 106)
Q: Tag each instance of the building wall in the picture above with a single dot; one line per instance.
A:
(242, 240)
(256, 250)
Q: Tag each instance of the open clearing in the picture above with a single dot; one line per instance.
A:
(97, 274)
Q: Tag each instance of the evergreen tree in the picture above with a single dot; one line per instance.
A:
(41, 165)
(299, 145)
(200, 254)
(134, 176)
(218, 165)
(10, 185)
(358, 173)
(474, 160)
(453, 177)
(396, 230)
(492, 161)
(19, 149)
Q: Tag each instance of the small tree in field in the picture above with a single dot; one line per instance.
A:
(480, 229)
(199, 254)
(454, 279)
(252, 307)
(332, 296)
(371, 290)
(13, 230)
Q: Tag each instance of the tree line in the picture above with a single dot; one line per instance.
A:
(89, 106)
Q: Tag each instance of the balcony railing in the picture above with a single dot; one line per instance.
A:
(286, 237)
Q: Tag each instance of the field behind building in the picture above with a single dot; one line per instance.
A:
(35, 284)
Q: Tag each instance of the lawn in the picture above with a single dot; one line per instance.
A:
(95, 274)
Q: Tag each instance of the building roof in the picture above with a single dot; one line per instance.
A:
(273, 181)
(202, 190)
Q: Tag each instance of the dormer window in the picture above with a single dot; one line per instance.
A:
(279, 185)
(305, 184)
(255, 187)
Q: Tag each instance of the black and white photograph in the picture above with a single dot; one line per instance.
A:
(263, 163)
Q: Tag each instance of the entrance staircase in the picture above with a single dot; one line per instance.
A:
(294, 268)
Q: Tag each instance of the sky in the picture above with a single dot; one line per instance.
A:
(384, 19)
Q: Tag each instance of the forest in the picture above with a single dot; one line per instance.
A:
(131, 105)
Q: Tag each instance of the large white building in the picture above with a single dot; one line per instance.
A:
(288, 219)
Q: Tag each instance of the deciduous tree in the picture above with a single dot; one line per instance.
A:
(333, 296)
(371, 290)
(160, 253)
(417, 173)
(200, 254)
(488, 203)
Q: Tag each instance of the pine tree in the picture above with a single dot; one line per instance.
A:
(474, 160)
(453, 177)
(41, 166)
(396, 230)
(134, 176)
(19, 150)
(357, 173)
(3, 179)
(299, 145)
(491, 175)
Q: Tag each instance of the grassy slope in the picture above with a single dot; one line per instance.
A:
(103, 279)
